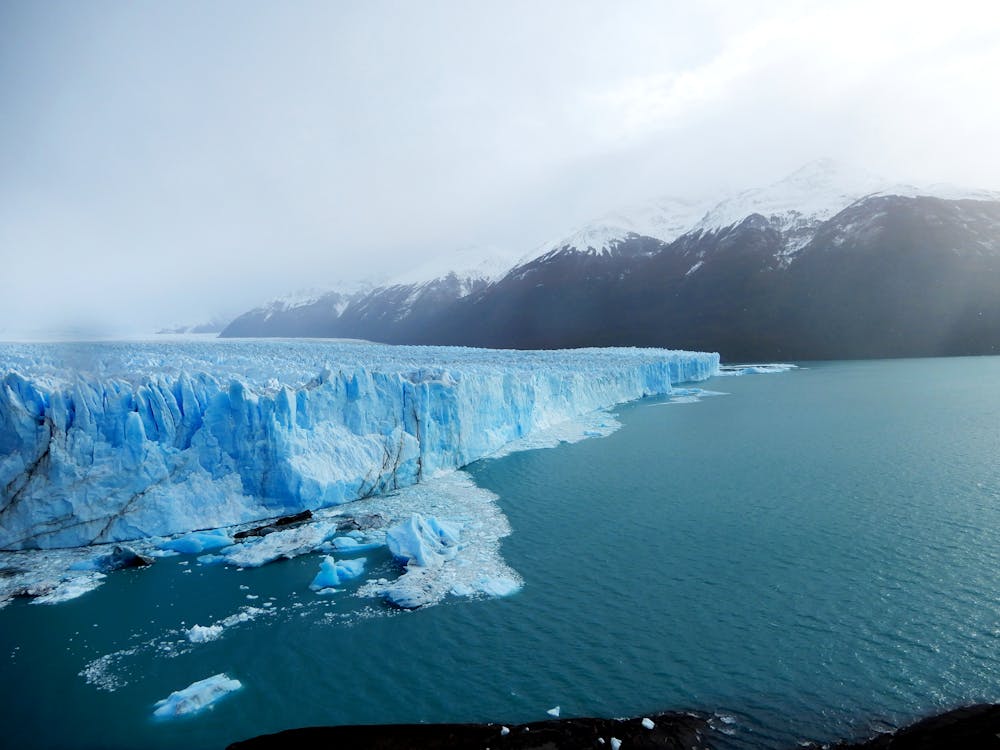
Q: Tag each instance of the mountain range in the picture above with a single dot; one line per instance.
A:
(829, 262)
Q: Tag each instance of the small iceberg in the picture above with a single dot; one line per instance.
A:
(203, 633)
(198, 541)
(196, 696)
(277, 545)
(349, 544)
(424, 542)
(334, 572)
(758, 369)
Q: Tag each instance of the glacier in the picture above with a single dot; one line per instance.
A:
(117, 441)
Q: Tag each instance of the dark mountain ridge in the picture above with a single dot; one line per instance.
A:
(888, 276)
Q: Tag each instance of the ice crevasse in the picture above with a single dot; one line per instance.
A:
(110, 442)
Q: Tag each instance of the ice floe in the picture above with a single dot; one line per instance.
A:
(196, 696)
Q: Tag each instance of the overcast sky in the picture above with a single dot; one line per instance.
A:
(162, 162)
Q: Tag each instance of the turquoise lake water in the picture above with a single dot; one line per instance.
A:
(814, 554)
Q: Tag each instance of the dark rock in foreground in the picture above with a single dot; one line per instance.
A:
(968, 728)
(675, 731)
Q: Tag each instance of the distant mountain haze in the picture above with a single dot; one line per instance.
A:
(827, 263)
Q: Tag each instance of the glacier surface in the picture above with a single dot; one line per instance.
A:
(105, 442)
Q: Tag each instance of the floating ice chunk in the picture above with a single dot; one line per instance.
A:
(162, 553)
(553, 712)
(731, 370)
(204, 633)
(424, 542)
(334, 572)
(615, 743)
(504, 731)
(350, 544)
(648, 723)
(688, 396)
(71, 589)
(477, 567)
(198, 541)
(683, 400)
(500, 585)
(196, 696)
(277, 545)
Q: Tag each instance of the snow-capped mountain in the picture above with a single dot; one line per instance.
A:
(739, 275)
(470, 263)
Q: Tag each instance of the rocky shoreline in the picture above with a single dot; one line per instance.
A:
(967, 728)
(673, 731)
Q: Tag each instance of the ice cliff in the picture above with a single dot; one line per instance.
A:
(110, 442)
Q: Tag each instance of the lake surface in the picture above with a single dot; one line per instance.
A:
(814, 554)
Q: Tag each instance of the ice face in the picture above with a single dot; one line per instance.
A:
(113, 442)
(196, 696)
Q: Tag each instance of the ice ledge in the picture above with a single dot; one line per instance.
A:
(120, 442)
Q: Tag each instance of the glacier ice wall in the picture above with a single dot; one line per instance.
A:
(112, 441)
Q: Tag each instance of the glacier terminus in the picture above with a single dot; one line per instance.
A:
(109, 442)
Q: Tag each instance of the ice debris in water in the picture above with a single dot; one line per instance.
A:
(199, 541)
(615, 743)
(553, 712)
(204, 633)
(335, 572)
(71, 589)
(196, 696)
(648, 723)
(424, 542)
(349, 544)
(277, 545)
(148, 439)
(462, 552)
(768, 369)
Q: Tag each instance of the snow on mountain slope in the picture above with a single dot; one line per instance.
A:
(593, 239)
(472, 263)
(797, 204)
(665, 219)
(794, 207)
(112, 441)
(809, 195)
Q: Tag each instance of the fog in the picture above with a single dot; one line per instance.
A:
(164, 163)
